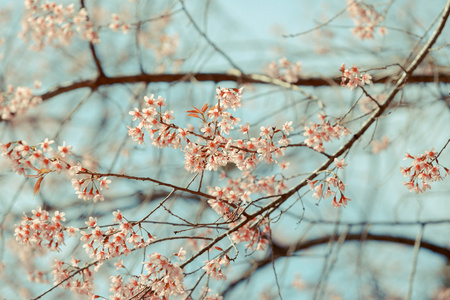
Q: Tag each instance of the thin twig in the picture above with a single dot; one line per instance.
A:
(230, 61)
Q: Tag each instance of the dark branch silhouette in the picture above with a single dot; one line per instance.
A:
(279, 251)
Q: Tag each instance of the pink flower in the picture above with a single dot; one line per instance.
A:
(340, 164)
(64, 150)
(104, 183)
(267, 132)
(244, 128)
(45, 145)
(181, 254)
(136, 114)
(425, 169)
(92, 222)
(118, 216)
(119, 264)
(287, 127)
(366, 79)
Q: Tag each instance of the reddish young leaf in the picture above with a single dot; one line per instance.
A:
(37, 186)
(198, 110)
(194, 115)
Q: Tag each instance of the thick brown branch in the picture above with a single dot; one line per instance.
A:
(219, 77)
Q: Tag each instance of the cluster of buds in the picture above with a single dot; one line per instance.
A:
(424, 168)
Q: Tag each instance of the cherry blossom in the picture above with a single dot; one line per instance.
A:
(43, 231)
(329, 187)
(340, 164)
(352, 77)
(252, 185)
(366, 18)
(82, 284)
(16, 101)
(317, 134)
(213, 267)
(48, 24)
(424, 169)
(284, 70)
(212, 149)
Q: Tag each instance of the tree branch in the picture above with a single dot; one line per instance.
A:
(287, 251)
(219, 77)
(275, 204)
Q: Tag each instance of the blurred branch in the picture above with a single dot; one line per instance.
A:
(93, 51)
(414, 266)
(279, 251)
(219, 77)
(208, 40)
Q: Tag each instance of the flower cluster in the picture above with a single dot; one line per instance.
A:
(41, 158)
(89, 188)
(44, 159)
(365, 18)
(212, 148)
(213, 267)
(424, 168)
(352, 78)
(16, 100)
(41, 230)
(318, 133)
(82, 284)
(103, 245)
(284, 70)
(46, 23)
(164, 278)
(237, 192)
(117, 23)
(253, 234)
(326, 186)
